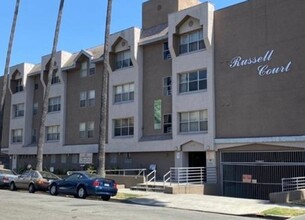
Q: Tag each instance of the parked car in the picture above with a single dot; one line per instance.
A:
(6, 176)
(82, 184)
(33, 180)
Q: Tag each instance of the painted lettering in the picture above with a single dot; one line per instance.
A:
(239, 61)
(266, 70)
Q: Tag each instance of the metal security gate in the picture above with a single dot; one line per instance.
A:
(256, 174)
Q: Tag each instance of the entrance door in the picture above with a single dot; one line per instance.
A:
(197, 159)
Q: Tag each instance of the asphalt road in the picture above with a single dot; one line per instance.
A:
(25, 206)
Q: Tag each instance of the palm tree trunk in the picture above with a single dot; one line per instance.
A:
(41, 139)
(6, 69)
(104, 97)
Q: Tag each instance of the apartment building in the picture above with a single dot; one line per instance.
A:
(161, 105)
(259, 95)
(193, 87)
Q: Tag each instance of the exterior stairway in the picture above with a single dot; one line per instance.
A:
(151, 186)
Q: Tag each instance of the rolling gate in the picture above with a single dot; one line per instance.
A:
(256, 174)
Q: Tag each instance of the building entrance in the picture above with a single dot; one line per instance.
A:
(197, 159)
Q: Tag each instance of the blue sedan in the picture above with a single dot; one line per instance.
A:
(83, 184)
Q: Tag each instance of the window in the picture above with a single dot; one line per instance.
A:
(91, 98)
(90, 129)
(192, 41)
(83, 98)
(18, 110)
(17, 136)
(87, 98)
(123, 59)
(82, 130)
(54, 104)
(193, 81)
(193, 121)
(166, 52)
(55, 77)
(75, 158)
(34, 136)
(167, 123)
(53, 133)
(19, 86)
(36, 86)
(84, 69)
(86, 130)
(91, 71)
(167, 86)
(123, 127)
(123, 93)
(35, 108)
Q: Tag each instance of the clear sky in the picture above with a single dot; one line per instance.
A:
(83, 25)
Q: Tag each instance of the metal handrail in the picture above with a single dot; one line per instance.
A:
(149, 179)
(188, 175)
(166, 178)
(125, 172)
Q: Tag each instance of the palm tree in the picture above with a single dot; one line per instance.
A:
(104, 97)
(6, 68)
(41, 138)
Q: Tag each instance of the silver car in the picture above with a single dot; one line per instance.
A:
(33, 180)
(6, 176)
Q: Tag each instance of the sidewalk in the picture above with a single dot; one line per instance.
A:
(203, 203)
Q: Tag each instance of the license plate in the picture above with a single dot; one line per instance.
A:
(106, 184)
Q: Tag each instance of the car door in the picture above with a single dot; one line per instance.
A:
(68, 185)
(20, 182)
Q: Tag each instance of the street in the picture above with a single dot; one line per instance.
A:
(25, 206)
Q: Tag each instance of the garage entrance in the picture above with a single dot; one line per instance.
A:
(256, 174)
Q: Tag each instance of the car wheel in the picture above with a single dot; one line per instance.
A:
(105, 198)
(12, 186)
(32, 188)
(81, 192)
(53, 190)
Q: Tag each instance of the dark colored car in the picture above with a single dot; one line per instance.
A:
(33, 180)
(6, 176)
(83, 184)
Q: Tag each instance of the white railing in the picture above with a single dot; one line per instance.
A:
(127, 172)
(166, 178)
(151, 177)
(188, 175)
(294, 183)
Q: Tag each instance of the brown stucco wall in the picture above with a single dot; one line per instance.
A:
(155, 12)
(154, 69)
(247, 104)
(75, 114)
(6, 116)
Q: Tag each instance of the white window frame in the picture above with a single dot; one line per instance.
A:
(91, 98)
(53, 133)
(123, 59)
(19, 86)
(166, 52)
(187, 80)
(167, 126)
(55, 78)
(123, 127)
(84, 66)
(54, 104)
(193, 122)
(18, 110)
(190, 39)
(17, 136)
(124, 93)
(35, 108)
(167, 86)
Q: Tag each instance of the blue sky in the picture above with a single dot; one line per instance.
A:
(83, 25)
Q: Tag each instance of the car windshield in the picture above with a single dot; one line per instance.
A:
(48, 175)
(7, 172)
